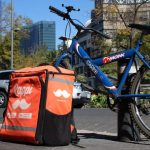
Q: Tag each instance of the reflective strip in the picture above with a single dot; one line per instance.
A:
(18, 128)
(61, 80)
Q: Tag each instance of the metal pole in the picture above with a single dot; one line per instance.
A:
(127, 131)
(12, 36)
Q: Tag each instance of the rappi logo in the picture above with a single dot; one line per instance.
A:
(60, 93)
(22, 90)
(21, 104)
(111, 58)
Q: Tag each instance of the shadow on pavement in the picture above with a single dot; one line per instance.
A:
(142, 142)
(97, 136)
(110, 138)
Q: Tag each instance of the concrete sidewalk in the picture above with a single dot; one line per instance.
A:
(97, 129)
(88, 140)
(108, 141)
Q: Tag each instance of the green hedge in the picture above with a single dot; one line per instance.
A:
(98, 101)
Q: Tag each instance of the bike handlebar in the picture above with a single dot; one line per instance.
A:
(77, 26)
(58, 12)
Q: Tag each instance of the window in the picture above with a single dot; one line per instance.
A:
(4, 75)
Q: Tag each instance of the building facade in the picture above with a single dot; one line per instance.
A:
(108, 20)
(41, 34)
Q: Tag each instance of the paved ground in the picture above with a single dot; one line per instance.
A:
(97, 129)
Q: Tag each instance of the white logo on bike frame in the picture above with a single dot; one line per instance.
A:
(110, 87)
(21, 104)
(60, 93)
(77, 48)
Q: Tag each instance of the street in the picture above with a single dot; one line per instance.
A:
(97, 129)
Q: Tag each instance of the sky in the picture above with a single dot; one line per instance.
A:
(37, 10)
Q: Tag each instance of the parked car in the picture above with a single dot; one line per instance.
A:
(4, 83)
(80, 96)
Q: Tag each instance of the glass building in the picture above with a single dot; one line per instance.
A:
(41, 34)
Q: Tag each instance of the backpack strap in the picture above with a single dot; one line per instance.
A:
(74, 137)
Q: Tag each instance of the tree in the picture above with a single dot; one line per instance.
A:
(19, 21)
(133, 14)
(146, 46)
(40, 56)
(52, 56)
(4, 53)
(5, 46)
(117, 17)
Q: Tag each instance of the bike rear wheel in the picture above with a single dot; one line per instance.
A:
(140, 107)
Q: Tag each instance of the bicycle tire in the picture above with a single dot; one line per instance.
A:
(140, 108)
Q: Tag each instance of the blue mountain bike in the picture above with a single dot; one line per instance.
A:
(139, 90)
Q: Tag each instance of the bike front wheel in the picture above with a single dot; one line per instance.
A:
(140, 107)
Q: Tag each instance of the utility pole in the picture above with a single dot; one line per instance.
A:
(12, 35)
(0, 19)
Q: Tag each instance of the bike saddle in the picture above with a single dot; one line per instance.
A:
(63, 38)
(142, 27)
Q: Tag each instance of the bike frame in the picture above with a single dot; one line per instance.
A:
(93, 65)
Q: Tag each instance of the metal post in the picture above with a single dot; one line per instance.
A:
(12, 36)
(127, 131)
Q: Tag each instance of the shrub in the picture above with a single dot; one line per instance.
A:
(98, 101)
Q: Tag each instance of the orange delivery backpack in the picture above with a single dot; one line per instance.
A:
(39, 106)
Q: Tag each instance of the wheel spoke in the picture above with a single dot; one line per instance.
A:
(140, 107)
